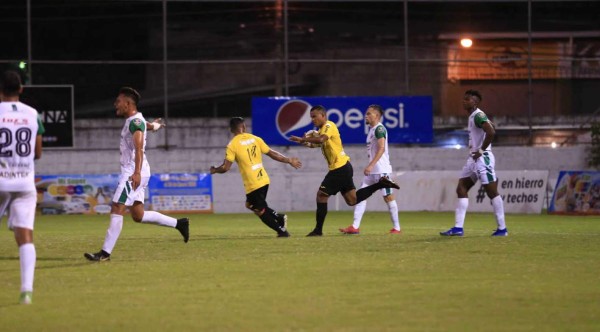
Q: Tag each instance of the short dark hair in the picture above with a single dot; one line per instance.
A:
(319, 108)
(377, 108)
(11, 83)
(235, 122)
(130, 93)
(474, 93)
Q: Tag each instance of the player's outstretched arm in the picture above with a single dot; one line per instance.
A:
(295, 162)
(296, 139)
(225, 166)
(156, 124)
(310, 140)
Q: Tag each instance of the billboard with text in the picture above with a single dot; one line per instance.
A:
(55, 104)
(407, 119)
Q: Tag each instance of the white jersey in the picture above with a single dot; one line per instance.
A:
(19, 126)
(132, 124)
(476, 132)
(383, 165)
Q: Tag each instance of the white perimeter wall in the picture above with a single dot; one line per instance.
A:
(198, 144)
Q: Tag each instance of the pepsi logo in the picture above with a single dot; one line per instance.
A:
(292, 116)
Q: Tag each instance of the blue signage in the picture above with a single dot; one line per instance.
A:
(181, 192)
(407, 119)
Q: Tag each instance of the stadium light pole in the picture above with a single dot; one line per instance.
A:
(286, 55)
(165, 73)
(406, 76)
(29, 53)
(529, 76)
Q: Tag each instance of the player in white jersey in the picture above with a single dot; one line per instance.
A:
(20, 143)
(379, 166)
(135, 173)
(479, 166)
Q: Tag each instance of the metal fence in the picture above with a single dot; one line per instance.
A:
(536, 62)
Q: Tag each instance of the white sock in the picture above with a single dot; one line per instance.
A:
(156, 218)
(359, 210)
(498, 205)
(27, 257)
(460, 212)
(113, 232)
(393, 207)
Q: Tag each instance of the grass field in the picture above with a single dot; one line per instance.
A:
(235, 275)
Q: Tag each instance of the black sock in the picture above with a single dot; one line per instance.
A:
(321, 214)
(269, 220)
(366, 192)
(277, 216)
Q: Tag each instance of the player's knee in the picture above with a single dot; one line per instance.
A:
(492, 193)
(137, 217)
(322, 195)
(389, 198)
(461, 191)
(351, 201)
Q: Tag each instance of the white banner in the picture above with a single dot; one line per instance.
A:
(521, 191)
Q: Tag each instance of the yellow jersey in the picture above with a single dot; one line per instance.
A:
(247, 149)
(332, 148)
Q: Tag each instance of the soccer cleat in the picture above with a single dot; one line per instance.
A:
(350, 230)
(100, 256)
(500, 232)
(315, 233)
(183, 226)
(395, 231)
(283, 234)
(387, 183)
(454, 231)
(25, 297)
(282, 220)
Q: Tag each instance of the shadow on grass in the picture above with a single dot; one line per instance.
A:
(47, 259)
(16, 258)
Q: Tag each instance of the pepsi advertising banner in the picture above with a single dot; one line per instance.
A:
(407, 119)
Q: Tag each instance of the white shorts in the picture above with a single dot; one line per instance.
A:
(374, 178)
(20, 207)
(480, 169)
(125, 193)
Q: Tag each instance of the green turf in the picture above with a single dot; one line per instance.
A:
(235, 275)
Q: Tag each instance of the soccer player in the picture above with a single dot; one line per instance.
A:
(135, 173)
(379, 166)
(479, 166)
(339, 177)
(20, 143)
(247, 149)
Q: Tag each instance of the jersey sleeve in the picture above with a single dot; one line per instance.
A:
(380, 132)
(230, 152)
(480, 119)
(41, 129)
(329, 130)
(137, 124)
(264, 148)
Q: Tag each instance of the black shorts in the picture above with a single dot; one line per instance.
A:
(257, 199)
(338, 180)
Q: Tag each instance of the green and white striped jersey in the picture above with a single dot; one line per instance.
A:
(19, 127)
(383, 165)
(476, 132)
(132, 124)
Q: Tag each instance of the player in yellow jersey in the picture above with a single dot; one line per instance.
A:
(246, 150)
(339, 177)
